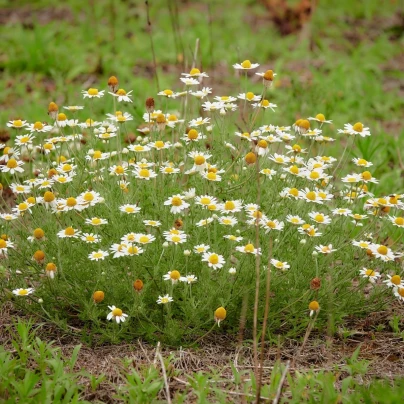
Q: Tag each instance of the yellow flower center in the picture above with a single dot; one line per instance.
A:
(211, 176)
(294, 220)
(17, 123)
(159, 144)
(199, 160)
(31, 200)
(294, 191)
(271, 224)
(249, 96)
(176, 201)
(95, 221)
(119, 170)
(39, 233)
(320, 117)
(383, 250)
(294, 170)
(117, 312)
(220, 313)
(246, 64)
(319, 218)
(92, 91)
(314, 305)
(3, 243)
(176, 239)
(311, 196)
(262, 143)
(314, 175)
(38, 125)
(194, 71)
(362, 162)
(264, 103)
(245, 134)
(12, 163)
(395, 279)
(51, 267)
(121, 91)
(144, 239)
(366, 175)
(192, 134)
(133, 250)
(168, 92)
(25, 139)
(304, 124)
(69, 231)
(90, 238)
(370, 272)
(229, 205)
(88, 197)
(23, 292)
(49, 196)
(175, 275)
(145, 173)
(249, 248)
(269, 75)
(401, 291)
(399, 221)
(62, 117)
(214, 259)
(205, 201)
(358, 127)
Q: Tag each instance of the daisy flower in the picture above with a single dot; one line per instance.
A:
(194, 73)
(39, 127)
(168, 93)
(308, 230)
(69, 232)
(397, 221)
(269, 225)
(90, 238)
(169, 170)
(280, 265)
(233, 238)
(23, 292)
(165, 299)
(130, 209)
(17, 124)
(357, 129)
(360, 162)
(294, 219)
(152, 223)
(122, 95)
(382, 252)
(204, 222)
(320, 218)
(119, 250)
(214, 260)
(73, 108)
(190, 279)
(176, 238)
(4, 245)
(201, 248)
(319, 118)
(211, 176)
(198, 122)
(116, 314)
(245, 65)
(92, 93)
(96, 221)
(200, 160)
(177, 203)
(371, 274)
(268, 172)
(141, 238)
(144, 173)
(160, 145)
(394, 281)
(341, 212)
(249, 249)
(362, 244)
(251, 97)
(189, 81)
(98, 255)
(138, 148)
(232, 206)
(325, 249)
(133, 250)
(399, 293)
(227, 220)
(12, 166)
(173, 276)
(265, 104)
(314, 307)
(279, 158)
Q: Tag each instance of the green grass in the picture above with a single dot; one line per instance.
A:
(37, 371)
